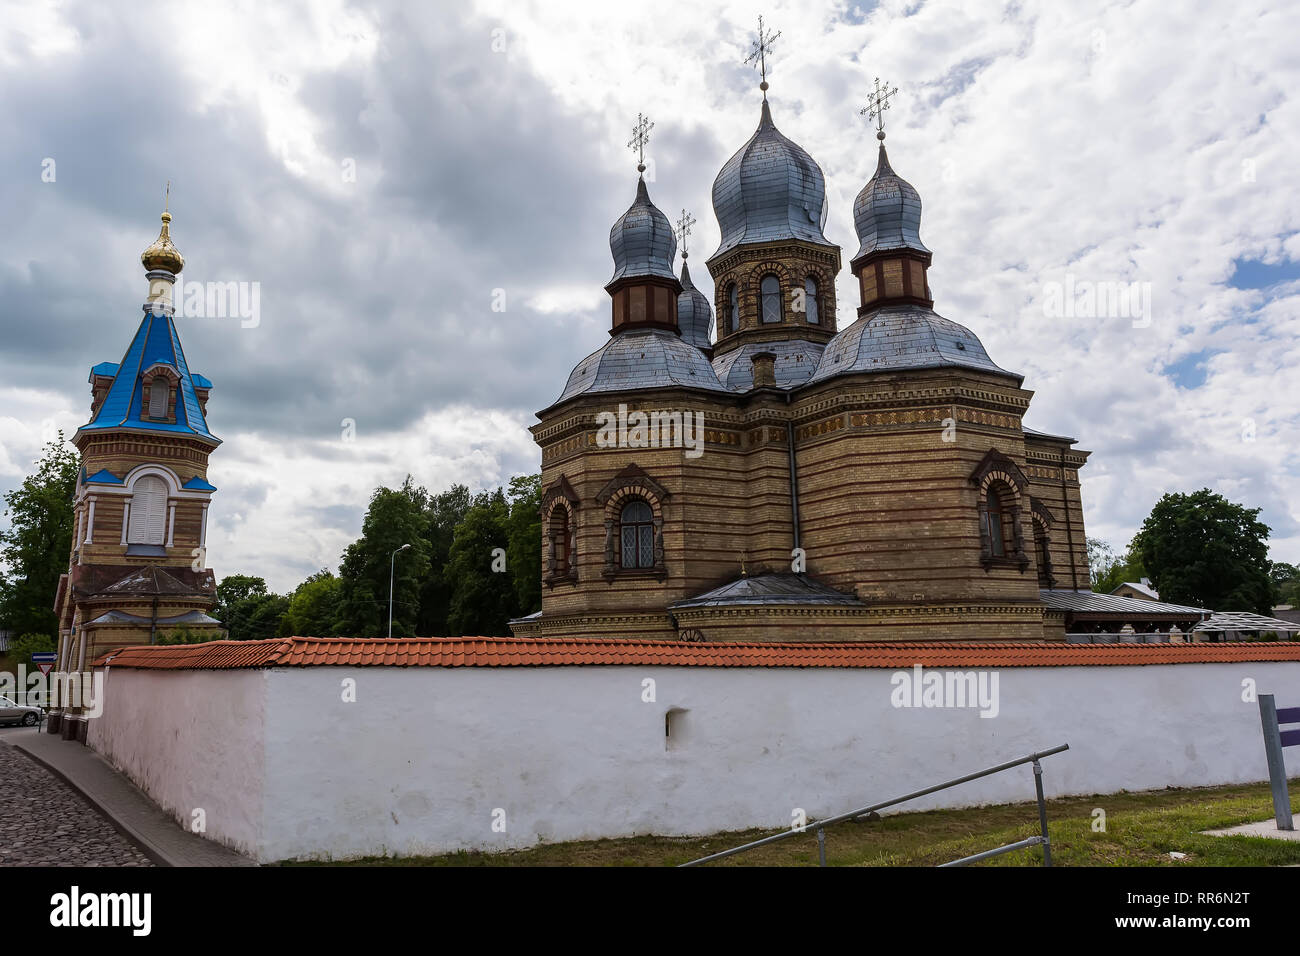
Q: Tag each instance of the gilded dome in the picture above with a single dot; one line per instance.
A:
(771, 189)
(162, 254)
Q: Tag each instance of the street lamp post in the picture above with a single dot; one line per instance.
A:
(392, 563)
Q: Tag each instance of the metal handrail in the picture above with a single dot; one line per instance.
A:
(863, 811)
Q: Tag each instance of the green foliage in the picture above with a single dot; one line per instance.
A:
(247, 609)
(34, 549)
(393, 519)
(524, 530)
(183, 635)
(314, 608)
(1201, 549)
(444, 513)
(1286, 583)
(485, 597)
(22, 648)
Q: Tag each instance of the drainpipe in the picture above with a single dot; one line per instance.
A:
(153, 620)
(794, 479)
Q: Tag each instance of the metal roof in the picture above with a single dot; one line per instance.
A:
(641, 359)
(898, 337)
(155, 342)
(1033, 432)
(1244, 621)
(1089, 603)
(887, 212)
(694, 315)
(770, 189)
(777, 589)
(642, 241)
(796, 360)
(1139, 587)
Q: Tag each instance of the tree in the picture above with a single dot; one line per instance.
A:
(313, 607)
(34, 548)
(394, 518)
(1286, 583)
(22, 648)
(443, 514)
(484, 597)
(524, 552)
(247, 609)
(1206, 551)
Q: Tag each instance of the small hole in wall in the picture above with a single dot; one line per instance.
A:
(675, 728)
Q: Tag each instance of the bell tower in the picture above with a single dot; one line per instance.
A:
(138, 566)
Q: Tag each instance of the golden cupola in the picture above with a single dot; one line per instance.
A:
(162, 255)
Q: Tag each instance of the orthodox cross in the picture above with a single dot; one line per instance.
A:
(877, 103)
(167, 197)
(762, 47)
(640, 136)
(683, 229)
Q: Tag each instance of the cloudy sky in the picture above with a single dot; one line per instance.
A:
(386, 172)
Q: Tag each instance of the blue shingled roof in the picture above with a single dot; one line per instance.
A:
(155, 342)
(198, 484)
(104, 477)
(104, 368)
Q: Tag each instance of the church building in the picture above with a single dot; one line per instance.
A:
(137, 569)
(854, 478)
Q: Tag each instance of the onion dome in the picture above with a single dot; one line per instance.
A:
(771, 189)
(694, 315)
(162, 254)
(887, 213)
(642, 241)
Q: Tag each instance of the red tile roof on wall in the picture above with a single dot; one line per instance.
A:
(603, 652)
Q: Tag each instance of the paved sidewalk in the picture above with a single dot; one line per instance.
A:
(130, 810)
(1266, 828)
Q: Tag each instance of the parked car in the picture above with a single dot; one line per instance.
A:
(25, 714)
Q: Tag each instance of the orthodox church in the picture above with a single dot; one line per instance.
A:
(137, 568)
(859, 478)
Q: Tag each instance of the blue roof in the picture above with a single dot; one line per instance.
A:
(198, 484)
(104, 368)
(105, 477)
(201, 381)
(155, 342)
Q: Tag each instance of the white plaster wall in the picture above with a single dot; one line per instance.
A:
(191, 739)
(424, 756)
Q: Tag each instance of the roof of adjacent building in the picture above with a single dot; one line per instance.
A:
(642, 241)
(156, 342)
(796, 360)
(640, 359)
(1244, 621)
(897, 337)
(887, 212)
(559, 652)
(770, 189)
(1142, 587)
(694, 314)
(769, 589)
(1091, 603)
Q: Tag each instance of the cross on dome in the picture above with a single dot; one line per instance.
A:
(683, 230)
(640, 136)
(762, 46)
(877, 103)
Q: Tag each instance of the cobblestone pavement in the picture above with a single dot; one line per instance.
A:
(44, 822)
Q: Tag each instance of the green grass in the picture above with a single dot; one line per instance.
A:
(1141, 830)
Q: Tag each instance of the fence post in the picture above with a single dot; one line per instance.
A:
(1042, 813)
(1276, 768)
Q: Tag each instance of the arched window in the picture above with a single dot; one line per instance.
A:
(733, 308)
(561, 543)
(994, 519)
(636, 535)
(810, 301)
(770, 289)
(158, 394)
(148, 524)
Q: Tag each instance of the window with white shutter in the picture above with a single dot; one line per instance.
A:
(158, 394)
(148, 522)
